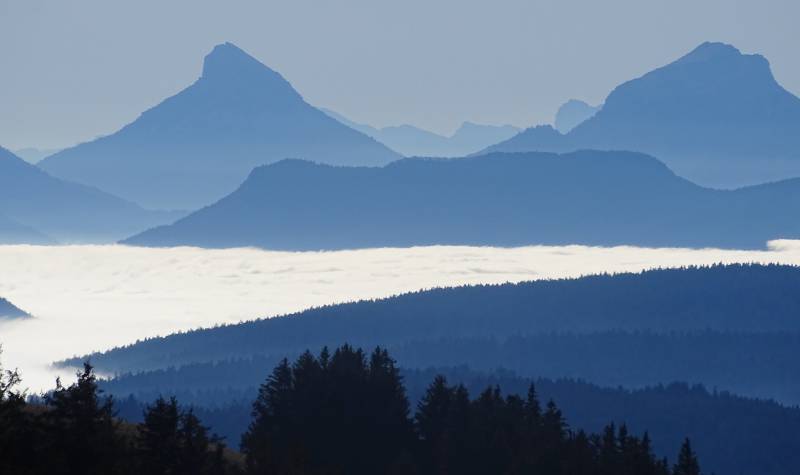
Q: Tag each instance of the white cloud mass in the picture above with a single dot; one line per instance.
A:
(87, 298)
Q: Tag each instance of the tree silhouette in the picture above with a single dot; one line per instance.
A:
(687, 461)
(84, 437)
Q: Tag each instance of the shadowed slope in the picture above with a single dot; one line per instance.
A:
(65, 211)
(597, 198)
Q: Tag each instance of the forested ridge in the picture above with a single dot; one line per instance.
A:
(339, 412)
(714, 420)
(751, 298)
(763, 365)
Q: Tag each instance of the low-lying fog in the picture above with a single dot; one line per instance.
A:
(87, 298)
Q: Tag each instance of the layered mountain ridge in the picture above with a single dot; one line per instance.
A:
(587, 197)
(40, 209)
(200, 144)
(715, 116)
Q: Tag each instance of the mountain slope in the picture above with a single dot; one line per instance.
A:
(733, 298)
(9, 310)
(198, 145)
(597, 198)
(12, 232)
(715, 116)
(65, 211)
(415, 142)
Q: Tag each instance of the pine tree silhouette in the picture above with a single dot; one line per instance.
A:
(687, 461)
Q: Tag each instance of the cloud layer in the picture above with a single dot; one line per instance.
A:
(87, 298)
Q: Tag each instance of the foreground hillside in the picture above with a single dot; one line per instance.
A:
(733, 327)
(715, 116)
(321, 415)
(729, 431)
(596, 198)
(197, 146)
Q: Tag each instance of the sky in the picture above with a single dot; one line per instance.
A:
(86, 298)
(72, 71)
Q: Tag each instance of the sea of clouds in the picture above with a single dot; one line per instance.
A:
(86, 298)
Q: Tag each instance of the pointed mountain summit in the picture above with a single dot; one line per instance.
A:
(227, 66)
(197, 146)
(35, 207)
(715, 116)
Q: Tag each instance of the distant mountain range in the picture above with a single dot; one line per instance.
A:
(9, 310)
(36, 208)
(197, 146)
(412, 141)
(715, 116)
(573, 113)
(589, 197)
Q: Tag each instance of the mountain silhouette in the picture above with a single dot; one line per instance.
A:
(573, 113)
(198, 145)
(715, 116)
(13, 232)
(9, 310)
(39, 208)
(588, 197)
(412, 141)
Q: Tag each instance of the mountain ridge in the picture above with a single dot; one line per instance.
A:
(604, 198)
(199, 144)
(715, 116)
(51, 208)
(412, 141)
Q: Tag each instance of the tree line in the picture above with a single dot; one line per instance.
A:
(730, 299)
(343, 412)
(73, 430)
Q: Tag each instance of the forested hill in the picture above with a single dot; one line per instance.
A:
(734, 434)
(500, 199)
(726, 298)
(761, 365)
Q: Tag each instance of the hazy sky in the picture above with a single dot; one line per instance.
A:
(72, 70)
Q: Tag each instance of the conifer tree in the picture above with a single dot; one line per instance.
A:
(83, 433)
(687, 461)
(17, 427)
(267, 435)
(158, 440)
